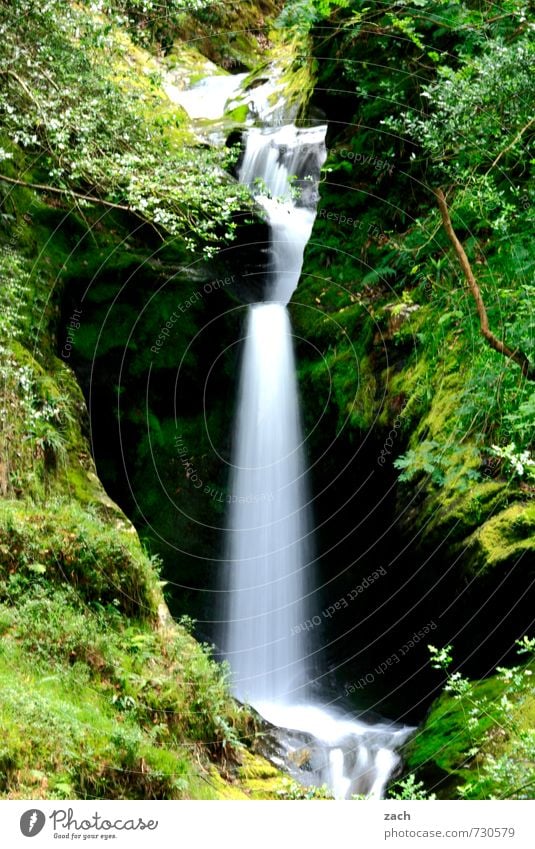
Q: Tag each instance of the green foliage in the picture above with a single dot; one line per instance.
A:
(487, 739)
(78, 110)
(476, 112)
(38, 416)
(445, 465)
(62, 741)
(301, 15)
(432, 94)
(409, 789)
(292, 790)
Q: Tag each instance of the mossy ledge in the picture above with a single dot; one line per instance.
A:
(455, 760)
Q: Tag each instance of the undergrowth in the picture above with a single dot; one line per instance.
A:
(103, 705)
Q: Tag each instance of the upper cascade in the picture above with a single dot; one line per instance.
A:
(282, 167)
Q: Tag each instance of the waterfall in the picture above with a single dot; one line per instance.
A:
(269, 527)
(269, 549)
(269, 524)
(282, 167)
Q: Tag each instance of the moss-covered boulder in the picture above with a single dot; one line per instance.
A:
(480, 745)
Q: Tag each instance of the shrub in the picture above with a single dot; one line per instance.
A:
(71, 546)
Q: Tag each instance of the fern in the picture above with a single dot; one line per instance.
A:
(379, 274)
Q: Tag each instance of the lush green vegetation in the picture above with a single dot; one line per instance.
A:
(103, 182)
(438, 98)
(102, 694)
(91, 115)
(103, 706)
(433, 95)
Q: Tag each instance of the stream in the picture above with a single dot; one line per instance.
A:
(269, 540)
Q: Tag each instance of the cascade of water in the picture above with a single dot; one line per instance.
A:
(269, 523)
(269, 529)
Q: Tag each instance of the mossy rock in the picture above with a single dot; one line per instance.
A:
(504, 541)
(255, 778)
(259, 777)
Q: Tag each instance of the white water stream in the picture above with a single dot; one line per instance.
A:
(269, 536)
(270, 526)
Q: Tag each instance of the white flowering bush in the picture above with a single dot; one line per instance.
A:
(520, 463)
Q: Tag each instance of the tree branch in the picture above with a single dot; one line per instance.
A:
(9, 73)
(512, 144)
(39, 187)
(528, 370)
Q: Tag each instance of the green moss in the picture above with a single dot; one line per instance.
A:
(483, 760)
(238, 115)
(442, 413)
(255, 778)
(409, 393)
(256, 767)
(224, 789)
(504, 540)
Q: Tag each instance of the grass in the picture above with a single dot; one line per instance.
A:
(63, 739)
(98, 705)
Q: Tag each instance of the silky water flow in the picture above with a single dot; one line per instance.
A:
(269, 535)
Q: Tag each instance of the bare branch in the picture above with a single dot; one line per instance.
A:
(39, 187)
(528, 370)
